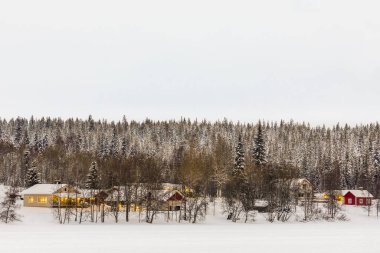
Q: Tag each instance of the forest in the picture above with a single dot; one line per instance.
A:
(200, 154)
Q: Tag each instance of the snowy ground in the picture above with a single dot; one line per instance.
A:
(39, 232)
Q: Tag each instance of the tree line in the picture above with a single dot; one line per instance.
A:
(60, 149)
(237, 161)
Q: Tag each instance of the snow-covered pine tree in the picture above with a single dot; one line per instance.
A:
(45, 142)
(259, 150)
(25, 166)
(92, 180)
(239, 164)
(124, 146)
(376, 177)
(92, 183)
(26, 140)
(8, 207)
(31, 177)
(91, 123)
(114, 144)
(236, 187)
(18, 131)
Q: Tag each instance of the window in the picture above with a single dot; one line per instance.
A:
(360, 201)
(30, 199)
(42, 199)
(350, 201)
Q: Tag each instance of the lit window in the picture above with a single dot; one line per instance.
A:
(30, 199)
(42, 199)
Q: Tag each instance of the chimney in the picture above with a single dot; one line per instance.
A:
(361, 188)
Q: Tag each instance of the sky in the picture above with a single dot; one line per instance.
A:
(314, 61)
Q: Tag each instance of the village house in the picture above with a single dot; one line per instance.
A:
(49, 195)
(170, 200)
(301, 188)
(167, 198)
(357, 197)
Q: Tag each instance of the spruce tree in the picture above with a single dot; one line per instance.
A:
(259, 151)
(8, 207)
(26, 138)
(124, 146)
(237, 187)
(31, 177)
(92, 181)
(18, 131)
(25, 167)
(376, 177)
(114, 144)
(239, 164)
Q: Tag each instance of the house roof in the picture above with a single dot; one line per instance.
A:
(43, 189)
(296, 182)
(358, 193)
(165, 195)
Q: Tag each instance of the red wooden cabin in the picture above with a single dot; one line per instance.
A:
(357, 197)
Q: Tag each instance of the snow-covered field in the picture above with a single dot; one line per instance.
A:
(39, 232)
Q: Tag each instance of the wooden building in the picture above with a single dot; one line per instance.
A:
(357, 197)
(50, 195)
(301, 188)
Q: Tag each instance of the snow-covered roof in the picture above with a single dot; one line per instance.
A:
(358, 193)
(43, 189)
(165, 195)
(296, 182)
(261, 203)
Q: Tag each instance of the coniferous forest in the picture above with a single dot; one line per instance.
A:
(200, 154)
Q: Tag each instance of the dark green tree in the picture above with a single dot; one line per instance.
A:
(92, 180)
(259, 150)
(8, 207)
(31, 177)
(239, 164)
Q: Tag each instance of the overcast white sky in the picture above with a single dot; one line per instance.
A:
(308, 60)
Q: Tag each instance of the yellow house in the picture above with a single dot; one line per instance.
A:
(50, 195)
(339, 196)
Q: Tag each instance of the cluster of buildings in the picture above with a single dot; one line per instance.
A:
(169, 196)
(304, 189)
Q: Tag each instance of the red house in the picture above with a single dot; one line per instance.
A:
(357, 197)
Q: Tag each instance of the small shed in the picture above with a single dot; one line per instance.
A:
(357, 197)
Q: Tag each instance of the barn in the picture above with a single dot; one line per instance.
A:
(357, 197)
